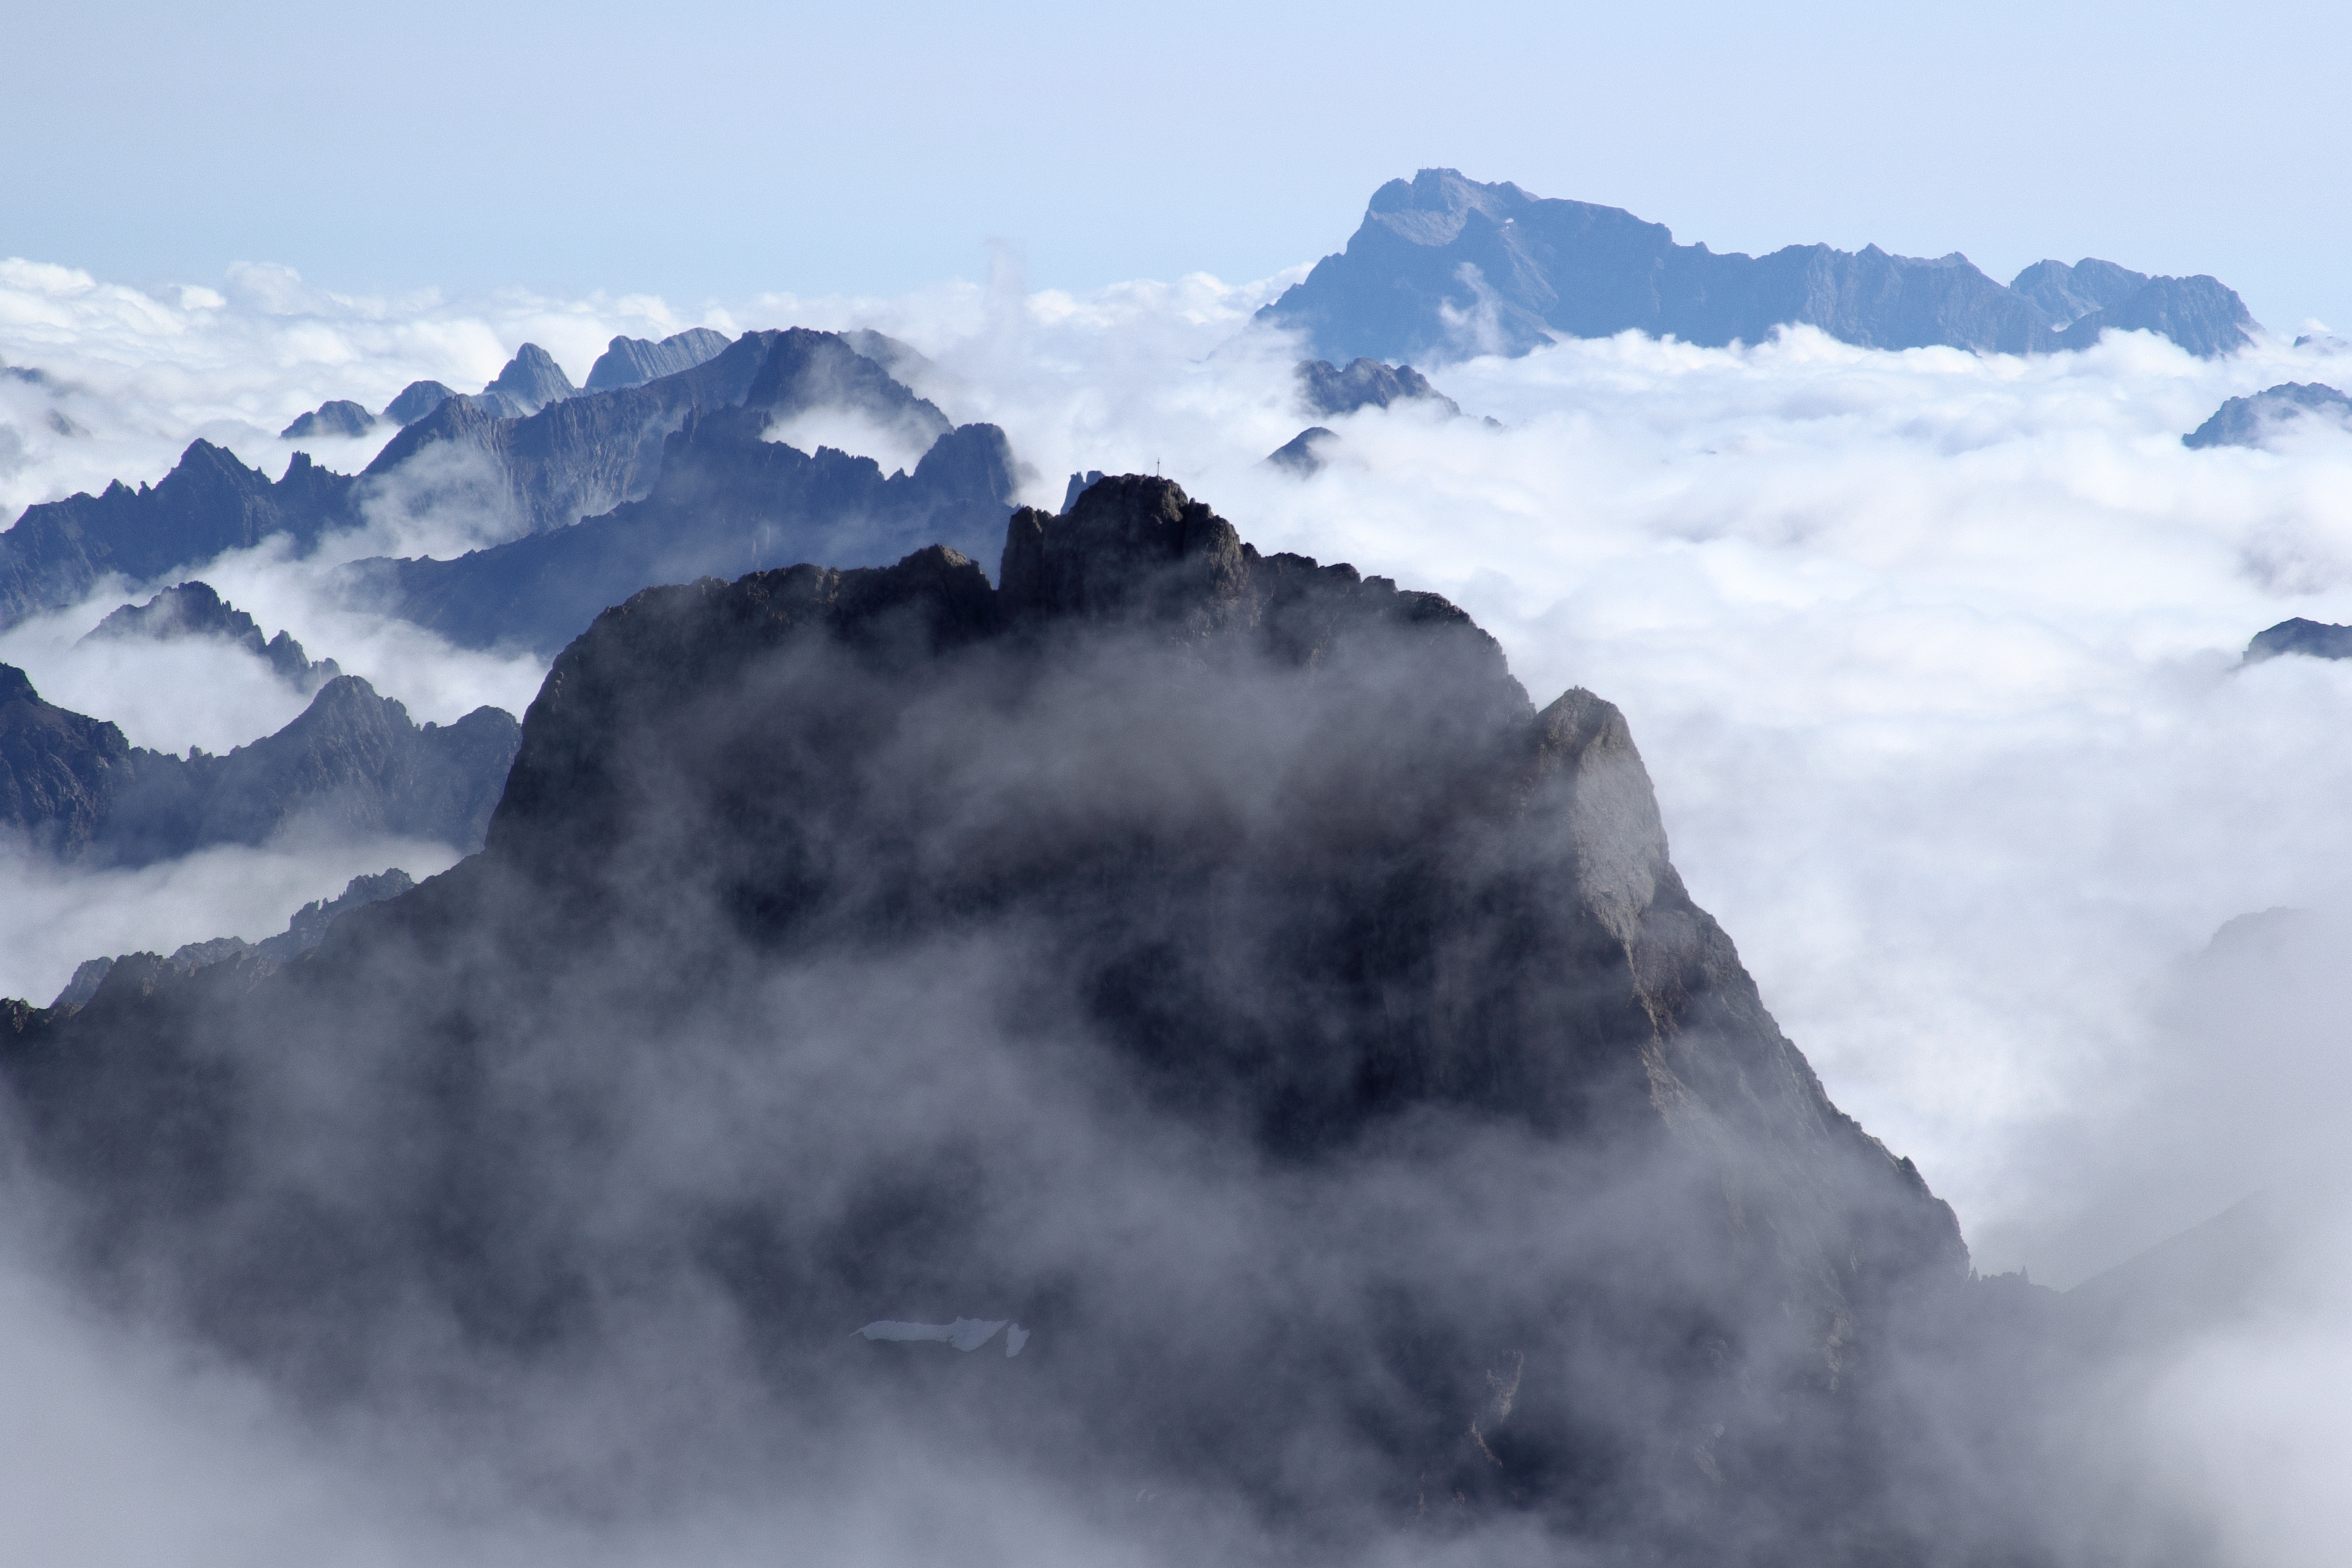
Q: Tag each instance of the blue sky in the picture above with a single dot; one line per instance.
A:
(720, 149)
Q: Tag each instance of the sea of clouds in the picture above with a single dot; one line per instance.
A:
(1934, 658)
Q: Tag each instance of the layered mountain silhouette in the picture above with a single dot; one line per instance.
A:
(1443, 267)
(1212, 962)
(579, 456)
(2253, 421)
(195, 609)
(304, 932)
(352, 761)
(727, 501)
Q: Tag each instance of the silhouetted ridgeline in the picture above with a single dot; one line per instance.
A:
(1211, 960)
(352, 761)
(1445, 267)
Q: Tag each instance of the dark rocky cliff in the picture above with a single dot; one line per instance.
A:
(1213, 961)
(1443, 267)
(352, 761)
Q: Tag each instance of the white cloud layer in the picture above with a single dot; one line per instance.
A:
(1934, 658)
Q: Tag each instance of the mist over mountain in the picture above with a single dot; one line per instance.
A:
(71, 786)
(195, 609)
(727, 500)
(1443, 267)
(1209, 962)
(2258, 419)
(508, 472)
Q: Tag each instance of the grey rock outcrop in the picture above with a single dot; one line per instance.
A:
(2069, 293)
(2198, 313)
(416, 400)
(633, 362)
(1079, 484)
(72, 787)
(1211, 960)
(195, 609)
(339, 418)
(1331, 392)
(528, 382)
(2253, 421)
(1443, 268)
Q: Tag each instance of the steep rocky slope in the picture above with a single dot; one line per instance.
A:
(1210, 965)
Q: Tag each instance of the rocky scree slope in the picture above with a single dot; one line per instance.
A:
(1212, 960)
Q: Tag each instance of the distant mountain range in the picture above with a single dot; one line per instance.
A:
(72, 787)
(581, 454)
(1443, 267)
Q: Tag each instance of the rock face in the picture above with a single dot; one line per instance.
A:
(2069, 293)
(529, 382)
(579, 457)
(338, 418)
(2253, 421)
(2317, 639)
(1331, 392)
(633, 362)
(1445, 267)
(73, 787)
(1211, 963)
(727, 501)
(195, 609)
(2198, 313)
(416, 400)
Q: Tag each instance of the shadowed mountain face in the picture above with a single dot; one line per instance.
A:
(1211, 963)
(339, 418)
(727, 501)
(580, 456)
(527, 384)
(633, 362)
(1446, 268)
(352, 760)
(1328, 391)
(2253, 421)
(2070, 293)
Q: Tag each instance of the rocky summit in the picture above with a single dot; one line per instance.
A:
(1208, 968)
(1446, 267)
